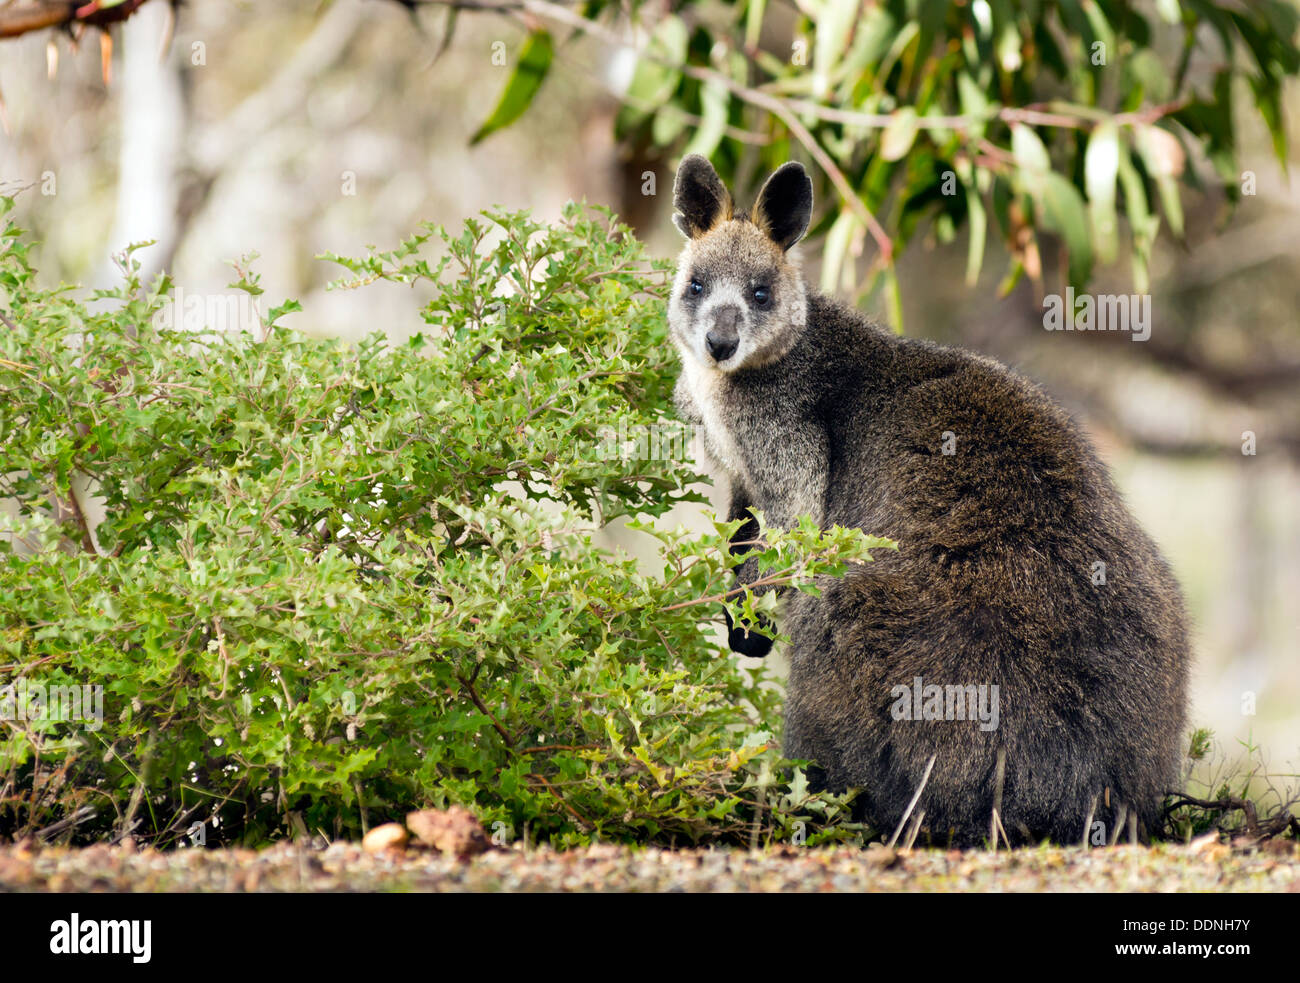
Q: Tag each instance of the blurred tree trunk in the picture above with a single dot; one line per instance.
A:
(151, 111)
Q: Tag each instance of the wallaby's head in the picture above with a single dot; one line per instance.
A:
(738, 300)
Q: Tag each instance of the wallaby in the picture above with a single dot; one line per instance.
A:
(1021, 582)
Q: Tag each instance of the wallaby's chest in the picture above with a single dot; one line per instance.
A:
(722, 415)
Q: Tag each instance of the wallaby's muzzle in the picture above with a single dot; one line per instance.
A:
(724, 337)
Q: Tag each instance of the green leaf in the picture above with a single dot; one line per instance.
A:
(279, 310)
(978, 219)
(1064, 213)
(1015, 271)
(1141, 221)
(1032, 160)
(654, 83)
(893, 299)
(529, 74)
(1268, 100)
(1010, 45)
(833, 26)
(872, 36)
(668, 125)
(899, 43)
(715, 104)
(1100, 169)
(754, 22)
(1164, 158)
(836, 249)
(973, 102)
(899, 134)
(1147, 78)
(1100, 29)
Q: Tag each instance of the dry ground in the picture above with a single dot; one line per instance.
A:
(1205, 866)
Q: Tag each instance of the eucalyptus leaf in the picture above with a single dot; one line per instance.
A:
(896, 139)
(529, 73)
(1101, 169)
(1065, 214)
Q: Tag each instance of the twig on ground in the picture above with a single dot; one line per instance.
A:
(912, 805)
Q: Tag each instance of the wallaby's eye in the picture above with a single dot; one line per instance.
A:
(696, 288)
(762, 296)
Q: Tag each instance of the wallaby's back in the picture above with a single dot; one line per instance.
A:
(998, 581)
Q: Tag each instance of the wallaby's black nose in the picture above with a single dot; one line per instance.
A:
(723, 339)
(720, 346)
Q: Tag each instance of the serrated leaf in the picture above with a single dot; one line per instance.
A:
(288, 307)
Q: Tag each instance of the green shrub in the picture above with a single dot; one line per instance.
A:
(340, 581)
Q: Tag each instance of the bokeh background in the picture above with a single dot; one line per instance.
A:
(296, 129)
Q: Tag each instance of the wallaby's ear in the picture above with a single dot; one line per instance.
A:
(700, 197)
(784, 206)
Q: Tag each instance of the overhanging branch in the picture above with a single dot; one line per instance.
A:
(23, 18)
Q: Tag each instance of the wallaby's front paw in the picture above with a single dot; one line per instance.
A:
(750, 643)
